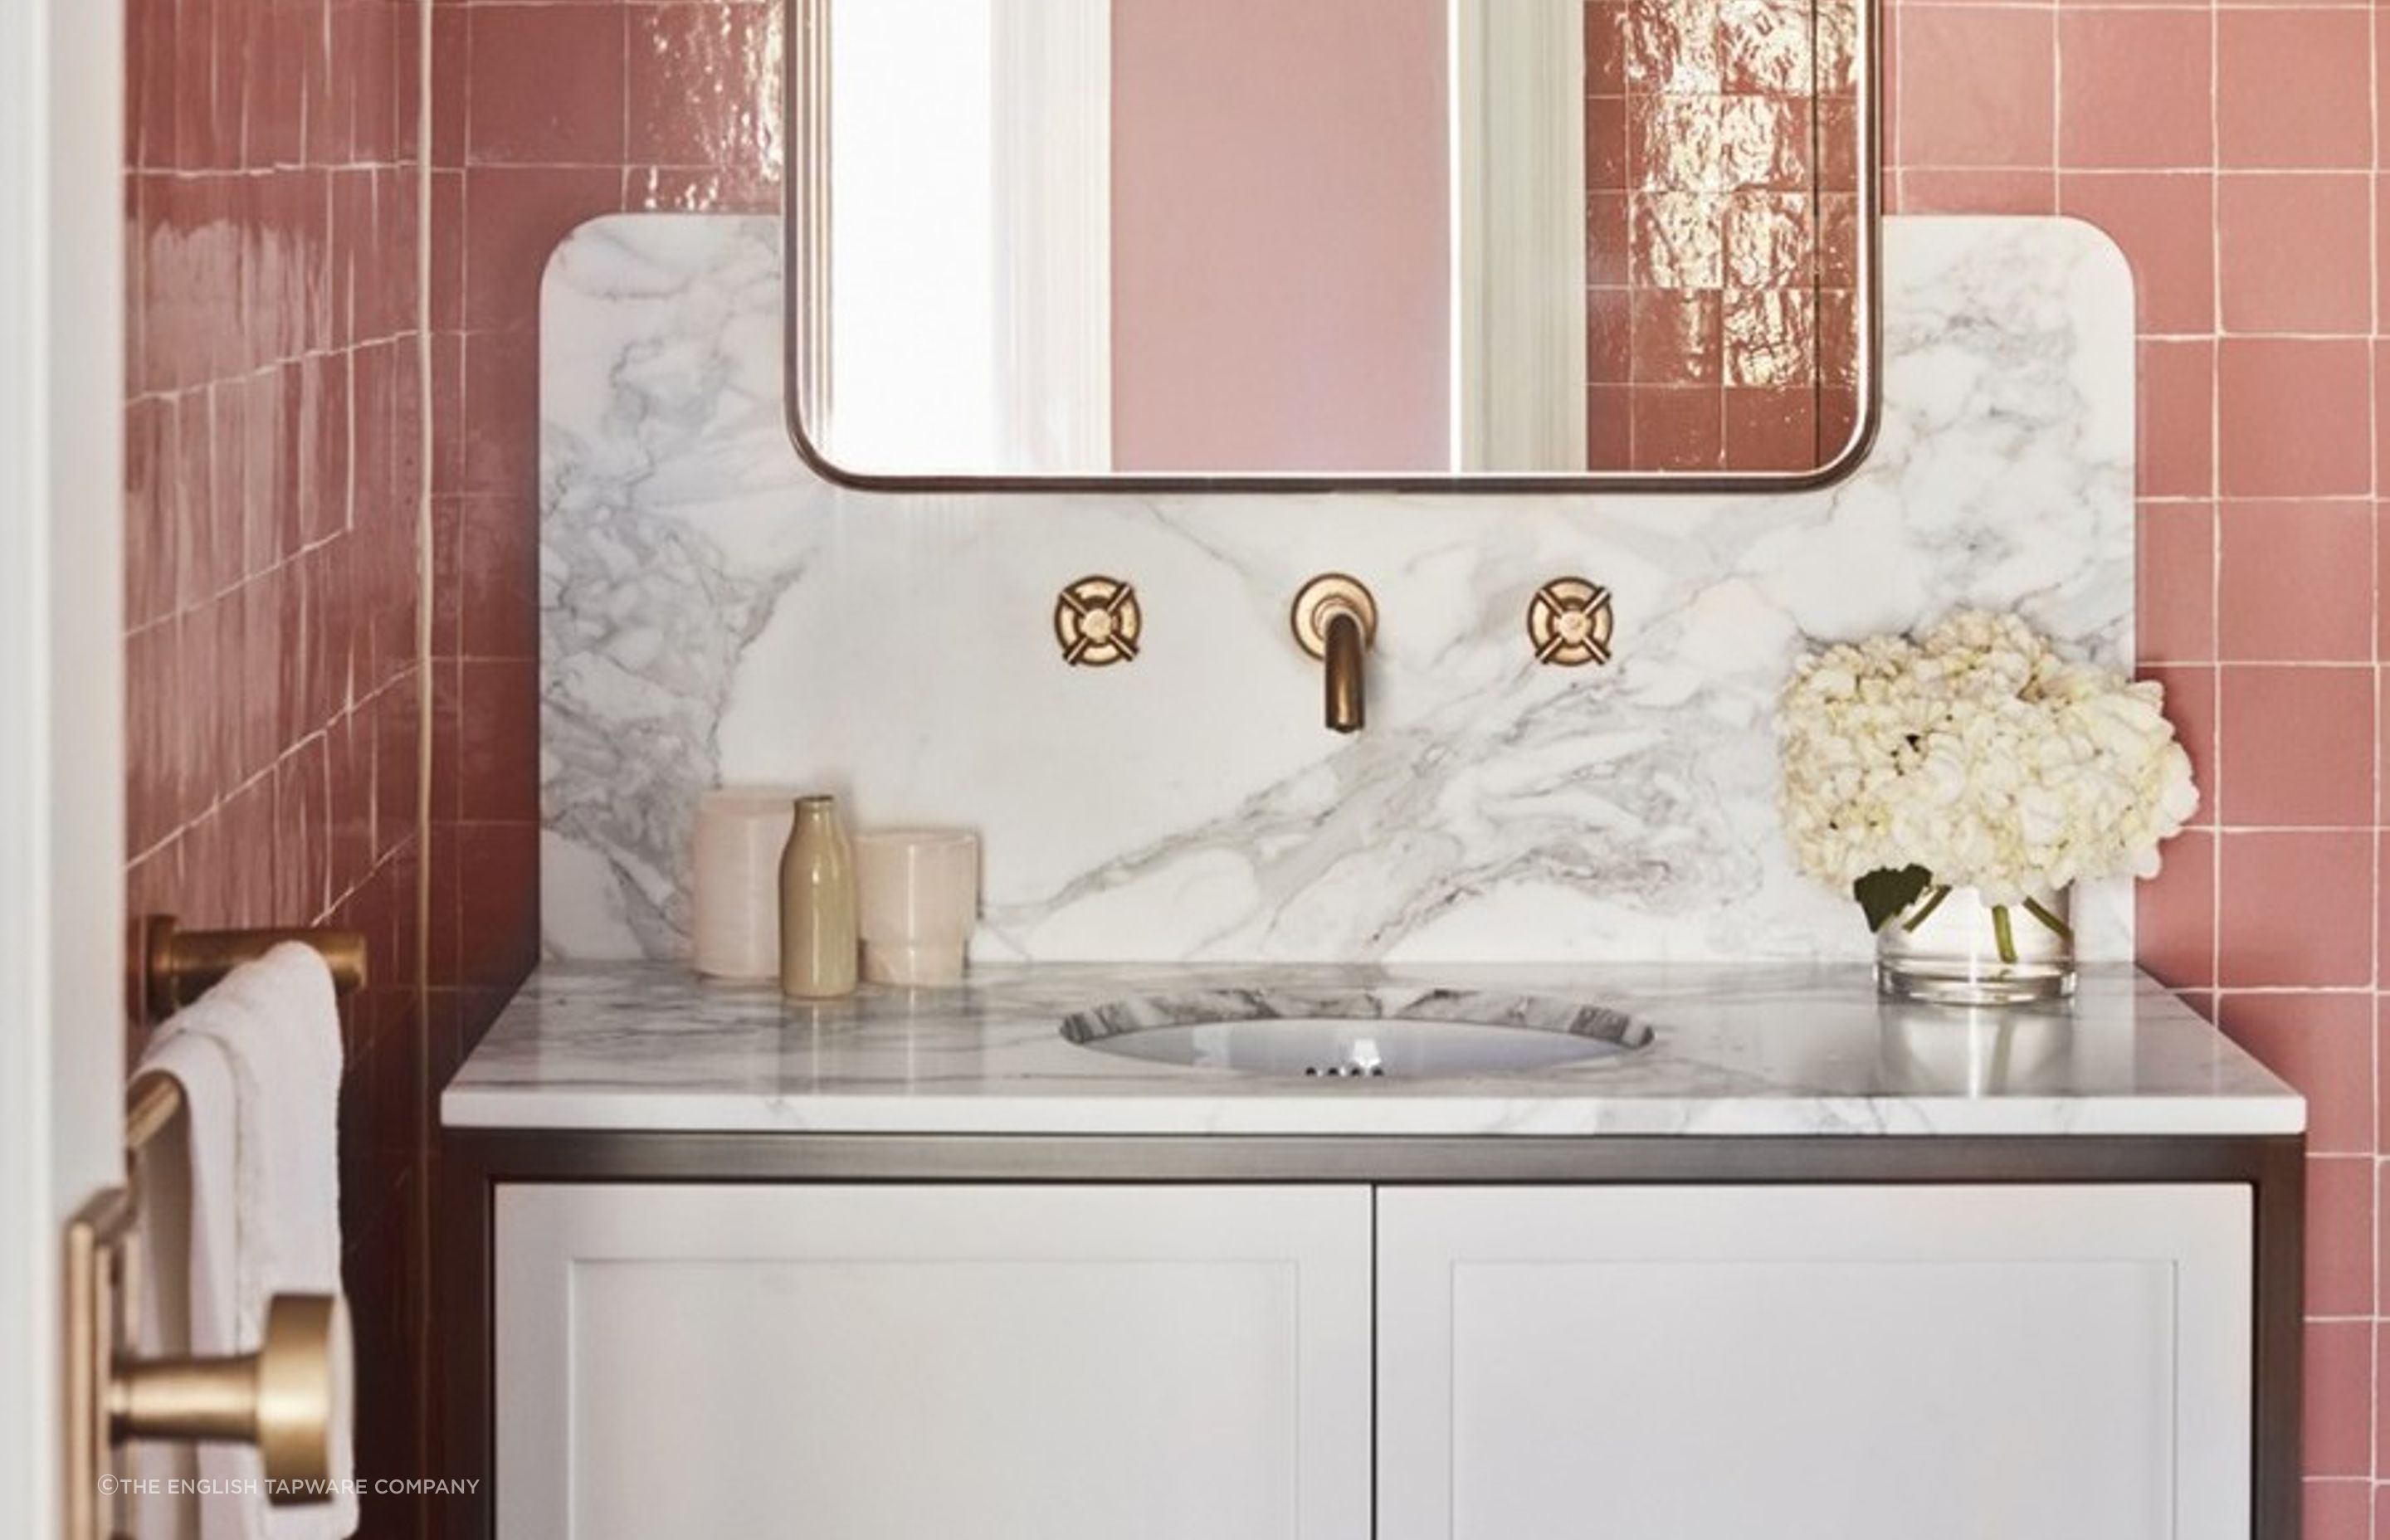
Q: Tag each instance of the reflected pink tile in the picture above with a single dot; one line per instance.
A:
(1771, 430)
(1769, 338)
(1678, 427)
(1675, 337)
(2337, 1510)
(1608, 336)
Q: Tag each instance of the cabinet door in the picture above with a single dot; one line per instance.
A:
(1962, 1362)
(933, 1363)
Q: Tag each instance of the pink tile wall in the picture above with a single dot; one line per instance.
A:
(274, 479)
(544, 115)
(2231, 151)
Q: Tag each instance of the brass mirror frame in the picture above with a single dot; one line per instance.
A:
(805, 218)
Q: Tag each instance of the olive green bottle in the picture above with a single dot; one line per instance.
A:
(818, 947)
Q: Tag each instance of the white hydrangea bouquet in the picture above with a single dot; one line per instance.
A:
(1960, 782)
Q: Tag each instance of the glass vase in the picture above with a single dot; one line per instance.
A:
(1952, 948)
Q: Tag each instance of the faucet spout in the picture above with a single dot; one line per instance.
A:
(1347, 696)
(1335, 620)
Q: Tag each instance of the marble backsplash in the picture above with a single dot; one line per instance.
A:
(712, 612)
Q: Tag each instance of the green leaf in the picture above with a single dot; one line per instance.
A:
(1885, 894)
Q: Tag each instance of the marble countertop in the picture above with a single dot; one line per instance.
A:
(1737, 1050)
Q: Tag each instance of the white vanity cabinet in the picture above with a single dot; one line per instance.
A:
(1829, 1363)
(1067, 1362)
(932, 1362)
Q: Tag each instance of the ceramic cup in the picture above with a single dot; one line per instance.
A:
(919, 894)
(735, 884)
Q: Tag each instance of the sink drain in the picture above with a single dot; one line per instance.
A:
(1361, 1062)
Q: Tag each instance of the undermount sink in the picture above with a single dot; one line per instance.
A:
(1357, 1034)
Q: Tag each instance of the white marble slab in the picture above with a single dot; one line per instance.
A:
(1736, 1049)
(715, 613)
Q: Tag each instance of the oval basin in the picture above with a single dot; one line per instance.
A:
(1356, 1034)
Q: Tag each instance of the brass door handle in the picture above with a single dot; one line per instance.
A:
(286, 1398)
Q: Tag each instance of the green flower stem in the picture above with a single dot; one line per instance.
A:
(1926, 910)
(2057, 925)
(2004, 934)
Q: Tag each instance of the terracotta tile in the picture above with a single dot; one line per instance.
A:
(501, 447)
(516, 216)
(545, 86)
(1978, 87)
(2295, 417)
(2339, 1393)
(2151, 105)
(2337, 1510)
(498, 742)
(2323, 1045)
(1939, 191)
(2298, 746)
(2341, 1214)
(2190, 706)
(498, 903)
(2177, 426)
(2296, 909)
(2156, 218)
(2177, 913)
(499, 545)
(2176, 555)
(704, 86)
(723, 189)
(2294, 87)
(2297, 252)
(2298, 582)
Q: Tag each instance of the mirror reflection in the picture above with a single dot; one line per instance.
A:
(1377, 241)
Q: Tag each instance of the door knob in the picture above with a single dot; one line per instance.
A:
(287, 1398)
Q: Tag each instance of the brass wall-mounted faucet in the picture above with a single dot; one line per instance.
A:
(1335, 620)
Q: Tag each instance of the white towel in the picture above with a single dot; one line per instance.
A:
(259, 1059)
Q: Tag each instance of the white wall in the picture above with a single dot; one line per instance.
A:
(61, 769)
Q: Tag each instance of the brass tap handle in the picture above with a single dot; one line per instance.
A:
(1335, 620)
(287, 1398)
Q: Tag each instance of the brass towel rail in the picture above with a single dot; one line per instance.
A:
(288, 1397)
(174, 967)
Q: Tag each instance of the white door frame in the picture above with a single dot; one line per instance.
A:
(62, 687)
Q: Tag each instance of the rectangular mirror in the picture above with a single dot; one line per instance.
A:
(1548, 244)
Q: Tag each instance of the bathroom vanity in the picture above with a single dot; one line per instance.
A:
(1769, 1257)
